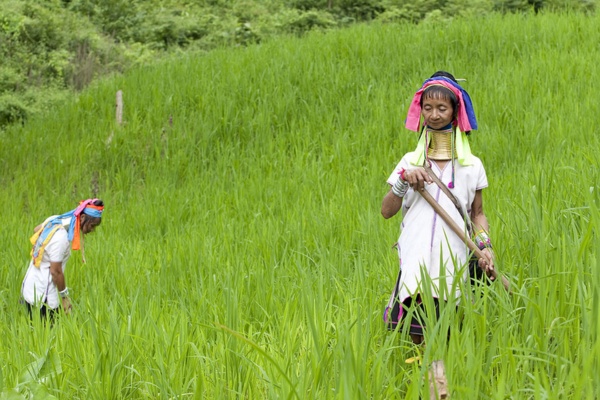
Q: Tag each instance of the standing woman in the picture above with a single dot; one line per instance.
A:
(428, 248)
(44, 286)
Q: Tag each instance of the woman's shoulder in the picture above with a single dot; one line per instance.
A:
(473, 161)
(411, 159)
(61, 234)
(476, 160)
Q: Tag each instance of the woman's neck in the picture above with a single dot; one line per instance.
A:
(440, 144)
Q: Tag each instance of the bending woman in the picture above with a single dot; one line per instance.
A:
(44, 286)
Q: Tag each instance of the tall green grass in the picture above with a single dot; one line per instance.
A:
(242, 253)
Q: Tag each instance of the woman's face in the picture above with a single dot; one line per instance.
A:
(437, 112)
(89, 224)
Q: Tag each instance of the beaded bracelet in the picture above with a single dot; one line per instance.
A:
(482, 239)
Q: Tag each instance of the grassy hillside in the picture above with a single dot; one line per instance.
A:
(52, 48)
(242, 253)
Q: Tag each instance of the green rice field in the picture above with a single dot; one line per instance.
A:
(242, 252)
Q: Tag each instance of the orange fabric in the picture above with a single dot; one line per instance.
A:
(77, 238)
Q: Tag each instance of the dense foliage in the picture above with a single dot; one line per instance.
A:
(52, 47)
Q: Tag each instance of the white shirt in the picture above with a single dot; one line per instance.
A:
(38, 287)
(426, 242)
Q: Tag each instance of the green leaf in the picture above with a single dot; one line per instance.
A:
(39, 391)
(43, 368)
(11, 394)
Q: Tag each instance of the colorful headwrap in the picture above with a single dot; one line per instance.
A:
(40, 239)
(465, 115)
(87, 207)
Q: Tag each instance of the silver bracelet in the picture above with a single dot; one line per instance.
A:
(64, 293)
(400, 188)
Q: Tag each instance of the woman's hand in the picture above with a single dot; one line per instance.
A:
(417, 177)
(66, 305)
(486, 263)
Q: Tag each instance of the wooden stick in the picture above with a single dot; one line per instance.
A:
(438, 384)
(119, 107)
(460, 232)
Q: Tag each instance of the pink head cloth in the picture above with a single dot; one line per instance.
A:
(413, 119)
(82, 206)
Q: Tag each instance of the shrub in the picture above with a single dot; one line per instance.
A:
(310, 20)
(310, 4)
(360, 10)
(12, 109)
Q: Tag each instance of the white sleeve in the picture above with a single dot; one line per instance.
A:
(482, 181)
(403, 164)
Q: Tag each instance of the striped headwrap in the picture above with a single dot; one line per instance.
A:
(40, 239)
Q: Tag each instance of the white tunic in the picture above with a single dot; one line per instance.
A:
(426, 242)
(38, 288)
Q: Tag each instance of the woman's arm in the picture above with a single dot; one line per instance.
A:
(391, 205)
(59, 281)
(415, 178)
(480, 223)
(478, 217)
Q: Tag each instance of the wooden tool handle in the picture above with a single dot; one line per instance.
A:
(460, 232)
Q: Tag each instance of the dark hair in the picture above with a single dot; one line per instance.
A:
(94, 220)
(445, 75)
(440, 92)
